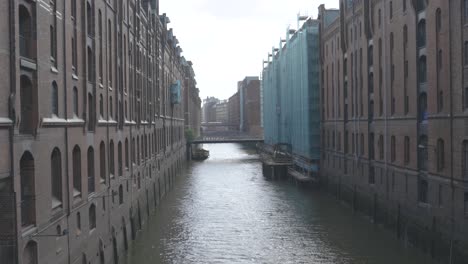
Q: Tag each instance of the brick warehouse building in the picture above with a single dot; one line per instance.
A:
(394, 119)
(91, 126)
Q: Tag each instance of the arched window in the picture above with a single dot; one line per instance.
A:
(26, 34)
(111, 158)
(466, 53)
(111, 108)
(90, 65)
(92, 217)
(90, 19)
(102, 162)
(119, 159)
(109, 46)
(75, 101)
(121, 198)
(422, 69)
(393, 148)
(78, 221)
(465, 159)
(407, 150)
(381, 147)
(28, 190)
(91, 112)
(30, 253)
(101, 106)
(440, 155)
(422, 107)
(28, 106)
(126, 154)
(76, 171)
(91, 179)
(438, 20)
(54, 99)
(465, 10)
(423, 189)
(56, 178)
(423, 155)
(421, 33)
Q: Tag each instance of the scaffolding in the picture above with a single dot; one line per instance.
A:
(291, 93)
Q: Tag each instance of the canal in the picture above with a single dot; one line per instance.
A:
(223, 211)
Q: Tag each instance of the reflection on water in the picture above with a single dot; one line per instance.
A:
(224, 211)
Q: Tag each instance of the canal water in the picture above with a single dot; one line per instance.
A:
(224, 211)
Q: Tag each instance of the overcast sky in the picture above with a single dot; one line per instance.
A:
(228, 39)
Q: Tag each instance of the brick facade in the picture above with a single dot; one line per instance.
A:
(90, 138)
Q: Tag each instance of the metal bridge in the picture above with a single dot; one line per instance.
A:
(226, 137)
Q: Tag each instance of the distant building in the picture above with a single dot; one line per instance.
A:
(221, 110)
(234, 112)
(209, 109)
(250, 106)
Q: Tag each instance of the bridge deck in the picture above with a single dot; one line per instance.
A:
(225, 140)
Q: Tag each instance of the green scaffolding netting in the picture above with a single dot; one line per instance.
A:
(291, 112)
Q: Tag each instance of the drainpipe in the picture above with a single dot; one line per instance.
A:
(66, 127)
(12, 115)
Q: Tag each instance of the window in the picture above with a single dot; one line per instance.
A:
(56, 178)
(76, 171)
(91, 112)
(423, 156)
(101, 107)
(53, 34)
(404, 5)
(421, 34)
(75, 101)
(92, 217)
(393, 149)
(438, 20)
(466, 98)
(90, 19)
(119, 159)
(440, 101)
(381, 147)
(100, 45)
(362, 145)
(465, 10)
(121, 198)
(423, 189)
(109, 46)
(30, 253)
(465, 203)
(391, 9)
(91, 180)
(423, 107)
(407, 150)
(28, 106)
(54, 99)
(126, 154)
(440, 155)
(405, 36)
(111, 158)
(28, 190)
(90, 65)
(422, 70)
(78, 221)
(371, 146)
(26, 34)
(420, 5)
(102, 162)
(465, 159)
(111, 108)
(466, 53)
